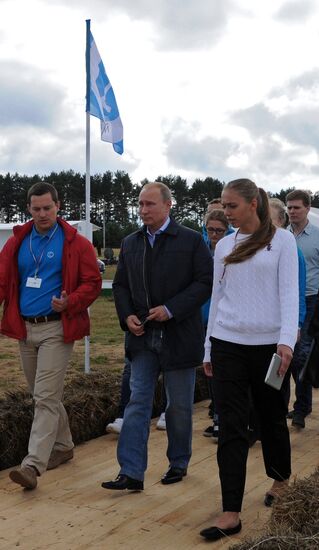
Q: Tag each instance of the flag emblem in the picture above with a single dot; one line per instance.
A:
(101, 101)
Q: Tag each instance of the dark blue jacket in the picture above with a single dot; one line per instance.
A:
(177, 273)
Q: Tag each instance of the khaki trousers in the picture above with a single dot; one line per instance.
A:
(44, 359)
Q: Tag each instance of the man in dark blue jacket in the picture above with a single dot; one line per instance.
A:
(164, 275)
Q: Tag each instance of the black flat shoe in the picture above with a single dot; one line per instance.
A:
(124, 482)
(298, 420)
(269, 500)
(173, 475)
(215, 533)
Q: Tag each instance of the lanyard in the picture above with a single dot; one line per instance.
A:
(37, 261)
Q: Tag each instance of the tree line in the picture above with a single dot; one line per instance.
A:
(114, 200)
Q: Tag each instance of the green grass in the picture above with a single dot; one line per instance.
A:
(106, 347)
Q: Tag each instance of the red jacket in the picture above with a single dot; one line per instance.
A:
(81, 280)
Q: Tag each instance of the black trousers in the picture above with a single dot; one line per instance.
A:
(237, 370)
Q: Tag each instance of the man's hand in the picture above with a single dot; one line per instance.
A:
(285, 353)
(60, 304)
(208, 369)
(158, 313)
(134, 325)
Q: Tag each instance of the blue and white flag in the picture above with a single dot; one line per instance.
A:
(101, 100)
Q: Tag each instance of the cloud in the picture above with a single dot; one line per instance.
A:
(296, 11)
(266, 157)
(206, 155)
(36, 151)
(39, 128)
(27, 97)
(270, 160)
(257, 119)
(178, 25)
(307, 82)
(296, 120)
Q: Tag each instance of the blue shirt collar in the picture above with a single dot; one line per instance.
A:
(161, 229)
(35, 232)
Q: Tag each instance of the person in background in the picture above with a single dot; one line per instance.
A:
(253, 314)
(48, 278)
(280, 218)
(216, 226)
(213, 205)
(163, 277)
(307, 239)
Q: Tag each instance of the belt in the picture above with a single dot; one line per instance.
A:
(43, 318)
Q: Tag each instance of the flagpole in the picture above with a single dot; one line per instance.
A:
(101, 103)
(87, 171)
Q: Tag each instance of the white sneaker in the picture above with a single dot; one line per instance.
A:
(161, 423)
(115, 427)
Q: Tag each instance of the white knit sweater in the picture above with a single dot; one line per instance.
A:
(255, 302)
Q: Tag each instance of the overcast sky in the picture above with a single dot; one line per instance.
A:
(221, 88)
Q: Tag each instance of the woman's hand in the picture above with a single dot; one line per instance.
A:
(208, 369)
(285, 353)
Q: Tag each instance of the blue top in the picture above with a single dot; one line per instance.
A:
(205, 307)
(308, 242)
(302, 287)
(41, 255)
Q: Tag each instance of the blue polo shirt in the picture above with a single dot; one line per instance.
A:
(308, 242)
(47, 257)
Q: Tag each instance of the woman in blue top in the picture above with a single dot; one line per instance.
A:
(217, 227)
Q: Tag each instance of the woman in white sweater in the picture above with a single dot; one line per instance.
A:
(253, 314)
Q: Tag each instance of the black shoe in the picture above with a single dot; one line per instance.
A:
(124, 482)
(209, 432)
(215, 533)
(269, 500)
(298, 420)
(290, 415)
(173, 475)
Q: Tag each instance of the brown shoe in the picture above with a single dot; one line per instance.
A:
(26, 476)
(59, 457)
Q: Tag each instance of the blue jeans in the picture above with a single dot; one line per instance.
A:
(303, 403)
(125, 387)
(126, 390)
(179, 387)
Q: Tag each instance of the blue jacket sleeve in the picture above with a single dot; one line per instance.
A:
(302, 287)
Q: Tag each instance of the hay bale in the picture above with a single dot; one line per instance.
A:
(294, 522)
(298, 509)
(91, 401)
(16, 414)
(279, 541)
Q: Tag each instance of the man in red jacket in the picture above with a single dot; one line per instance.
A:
(48, 278)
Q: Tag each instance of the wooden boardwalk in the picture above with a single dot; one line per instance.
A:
(70, 511)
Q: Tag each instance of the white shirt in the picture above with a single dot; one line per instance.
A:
(255, 302)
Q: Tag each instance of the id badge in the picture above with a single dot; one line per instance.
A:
(33, 282)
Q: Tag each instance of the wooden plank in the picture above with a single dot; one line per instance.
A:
(70, 511)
